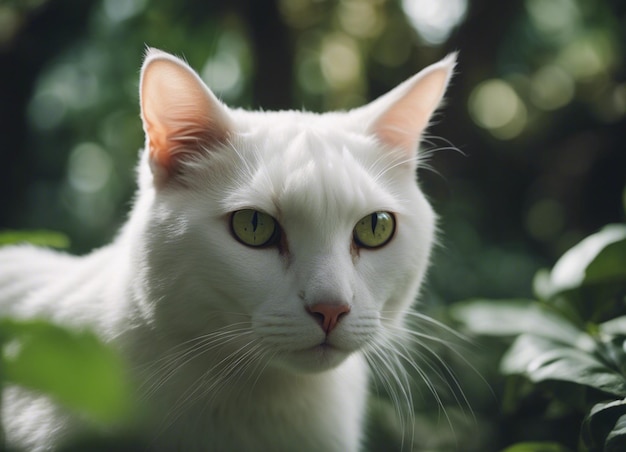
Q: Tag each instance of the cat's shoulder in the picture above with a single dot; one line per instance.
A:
(15, 257)
(25, 268)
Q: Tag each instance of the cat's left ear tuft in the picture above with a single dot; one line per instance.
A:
(402, 115)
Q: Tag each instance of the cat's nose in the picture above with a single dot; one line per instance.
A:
(328, 315)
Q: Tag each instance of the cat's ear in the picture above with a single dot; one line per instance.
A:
(399, 117)
(180, 115)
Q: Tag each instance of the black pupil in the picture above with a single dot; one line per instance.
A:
(255, 221)
(374, 222)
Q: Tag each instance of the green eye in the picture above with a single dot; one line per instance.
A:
(374, 230)
(254, 228)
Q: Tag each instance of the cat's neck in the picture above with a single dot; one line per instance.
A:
(263, 397)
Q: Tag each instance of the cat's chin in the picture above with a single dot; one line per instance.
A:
(319, 358)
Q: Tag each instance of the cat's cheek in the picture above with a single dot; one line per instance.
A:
(358, 332)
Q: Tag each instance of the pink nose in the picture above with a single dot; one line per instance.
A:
(328, 315)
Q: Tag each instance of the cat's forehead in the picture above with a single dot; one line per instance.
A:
(311, 169)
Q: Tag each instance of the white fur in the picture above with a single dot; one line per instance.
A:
(222, 349)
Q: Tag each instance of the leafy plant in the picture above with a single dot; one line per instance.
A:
(570, 342)
(75, 368)
(72, 367)
(38, 237)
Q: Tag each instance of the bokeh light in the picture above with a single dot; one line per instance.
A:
(494, 105)
(361, 19)
(545, 219)
(551, 88)
(556, 19)
(89, 168)
(9, 24)
(434, 20)
(340, 60)
(588, 55)
(65, 87)
(119, 10)
(224, 71)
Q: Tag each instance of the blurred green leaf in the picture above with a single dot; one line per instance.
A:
(543, 359)
(616, 326)
(494, 317)
(73, 367)
(514, 317)
(38, 237)
(611, 348)
(616, 440)
(610, 264)
(604, 428)
(536, 447)
(599, 258)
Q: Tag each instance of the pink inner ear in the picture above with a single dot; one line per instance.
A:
(179, 113)
(400, 128)
(402, 123)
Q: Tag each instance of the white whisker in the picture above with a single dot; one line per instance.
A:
(212, 379)
(165, 367)
(413, 347)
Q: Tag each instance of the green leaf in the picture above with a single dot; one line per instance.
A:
(599, 258)
(614, 327)
(515, 317)
(616, 440)
(542, 284)
(610, 263)
(611, 348)
(543, 359)
(493, 317)
(604, 428)
(73, 367)
(38, 237)
(536, 447)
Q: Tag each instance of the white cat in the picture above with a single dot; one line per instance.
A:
(268, 257)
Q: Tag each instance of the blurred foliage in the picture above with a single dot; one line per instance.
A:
(50, 239)
(538, 107)
(538, 110)
(76, 369)
(569, 344)
(536, 447)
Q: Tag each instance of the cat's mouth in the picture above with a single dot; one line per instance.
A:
(320, 357)
(328, 352)
(325, 344)
(325, 347)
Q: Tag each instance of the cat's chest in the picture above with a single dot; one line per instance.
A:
(269, 412)
(259, 430)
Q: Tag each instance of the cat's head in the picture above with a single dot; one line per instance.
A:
(303, 235)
